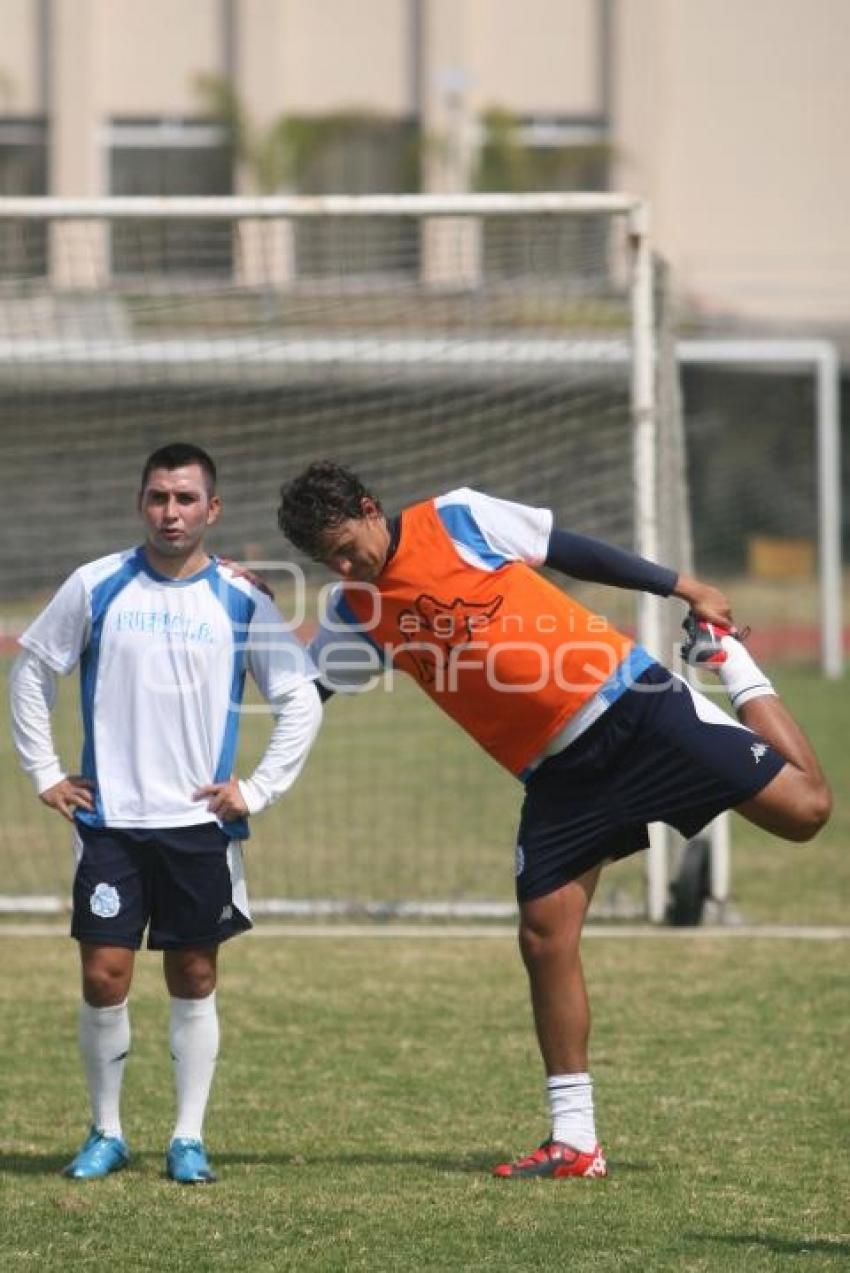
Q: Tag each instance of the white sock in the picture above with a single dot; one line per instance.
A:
(571, 1104)
(742, 678)
(104, 1043)
(193, 1035)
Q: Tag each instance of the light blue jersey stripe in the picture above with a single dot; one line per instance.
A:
(621, 679)
(240, 610)
(103, 594)
(624, 676)
(347, 615)
(465, 532)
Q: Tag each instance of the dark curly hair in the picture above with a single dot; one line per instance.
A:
(321, 498)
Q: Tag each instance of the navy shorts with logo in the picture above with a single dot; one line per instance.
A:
(661, 753)
(184, 884)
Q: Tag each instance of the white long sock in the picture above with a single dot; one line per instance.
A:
(193, 1035)
(104, 1035)
(571, 1105)
(742, 678)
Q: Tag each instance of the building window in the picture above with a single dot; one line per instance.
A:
(355, 154)
(23, 171)
(551, 153)
(170, 157)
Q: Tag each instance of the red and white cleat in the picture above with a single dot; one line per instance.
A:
(555, 1159)
(703, 644)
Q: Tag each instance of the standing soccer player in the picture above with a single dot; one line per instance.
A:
(603, 737)
(164, 635)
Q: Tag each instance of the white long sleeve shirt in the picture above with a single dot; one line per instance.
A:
(163, 665)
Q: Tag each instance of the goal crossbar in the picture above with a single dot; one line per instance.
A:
(233, 207)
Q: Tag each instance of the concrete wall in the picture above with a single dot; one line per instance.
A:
(19, 79)
(728, 117)
(336, 54)
(538, 57)
(149, 53)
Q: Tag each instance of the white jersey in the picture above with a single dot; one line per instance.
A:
(162, 667)
(487, 531)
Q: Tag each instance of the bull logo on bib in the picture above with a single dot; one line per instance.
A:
(442, 626)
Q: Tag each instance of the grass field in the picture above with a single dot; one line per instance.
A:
(366, 1086)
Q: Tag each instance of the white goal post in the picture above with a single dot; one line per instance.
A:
(820, 357)
(494, 290)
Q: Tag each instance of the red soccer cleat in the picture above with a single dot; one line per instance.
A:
(702, 646)
(555, 1159)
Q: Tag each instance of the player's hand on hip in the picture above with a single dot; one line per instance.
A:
(706, 601)
(224, 799)
(70, 794)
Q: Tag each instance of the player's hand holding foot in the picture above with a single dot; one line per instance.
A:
(224, 799)
(705, 601)
(72, 793)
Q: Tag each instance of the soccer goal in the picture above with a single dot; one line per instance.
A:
(502, 342)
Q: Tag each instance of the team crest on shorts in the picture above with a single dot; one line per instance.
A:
(519, 861)
(105, 902)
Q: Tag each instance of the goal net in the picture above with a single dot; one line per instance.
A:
(497, 342)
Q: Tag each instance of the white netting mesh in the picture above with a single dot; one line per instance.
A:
(424, 353)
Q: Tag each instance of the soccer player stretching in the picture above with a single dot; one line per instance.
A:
(604, 738)
(164, 635)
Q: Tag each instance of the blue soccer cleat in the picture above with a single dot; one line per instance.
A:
(98, 1157)
(187, 1163)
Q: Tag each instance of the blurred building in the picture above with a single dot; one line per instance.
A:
(728, 117)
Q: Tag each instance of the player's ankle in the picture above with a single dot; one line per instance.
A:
(741, 676)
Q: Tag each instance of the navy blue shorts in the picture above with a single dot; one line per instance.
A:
(185, 884)
(662, 753)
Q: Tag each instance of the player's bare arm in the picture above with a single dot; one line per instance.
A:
(706, 601)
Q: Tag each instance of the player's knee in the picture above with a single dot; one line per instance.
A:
(198, 985)
(105, 985)
(816, 811)
(540, 941)
(531, 944)
(195, 985)
(190, 974)
(808, 814)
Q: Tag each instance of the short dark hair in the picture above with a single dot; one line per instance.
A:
(177, 455)
(321, 498)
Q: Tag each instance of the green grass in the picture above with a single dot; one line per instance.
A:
(366, 1086)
